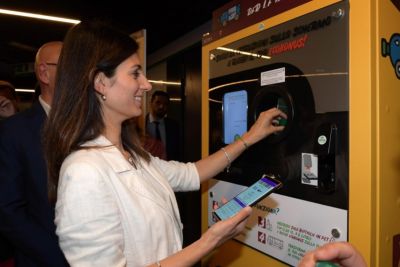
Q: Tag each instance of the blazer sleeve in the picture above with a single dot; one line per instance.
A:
(87, 217)
(180, 176)
(16, 223)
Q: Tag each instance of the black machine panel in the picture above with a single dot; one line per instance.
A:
(313, 93)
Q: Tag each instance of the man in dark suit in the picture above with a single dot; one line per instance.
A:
(25, 212)
(159, 126)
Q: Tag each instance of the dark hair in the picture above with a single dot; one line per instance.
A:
(159, 93)
(76, 116)
(9, 89)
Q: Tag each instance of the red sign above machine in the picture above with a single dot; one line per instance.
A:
(239, 14)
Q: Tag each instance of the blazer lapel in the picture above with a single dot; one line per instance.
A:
(119, 165)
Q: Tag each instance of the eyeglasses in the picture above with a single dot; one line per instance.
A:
(51, 64)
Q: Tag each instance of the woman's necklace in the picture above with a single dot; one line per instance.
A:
(128, 156)
(131, 160)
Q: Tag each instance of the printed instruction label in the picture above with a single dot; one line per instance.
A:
(284, 227)
(273, 76)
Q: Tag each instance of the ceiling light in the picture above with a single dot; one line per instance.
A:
(164, 82)
(22, 90)
(243, 52)
(38, 16)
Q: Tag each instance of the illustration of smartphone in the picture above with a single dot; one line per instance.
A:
(249, 197)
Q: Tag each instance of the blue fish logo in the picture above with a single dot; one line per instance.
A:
(392, 49)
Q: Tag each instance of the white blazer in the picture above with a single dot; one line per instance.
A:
(110, 214)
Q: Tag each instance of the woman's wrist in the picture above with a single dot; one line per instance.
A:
(246, 139)
(208, 242)
(245, 144)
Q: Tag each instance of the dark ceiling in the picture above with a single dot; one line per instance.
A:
(165, 21)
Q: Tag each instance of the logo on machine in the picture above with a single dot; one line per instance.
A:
(392, 50)
(232, 13)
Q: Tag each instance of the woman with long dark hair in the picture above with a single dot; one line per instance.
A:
(115, 203)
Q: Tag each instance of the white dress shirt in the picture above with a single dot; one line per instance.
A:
(45, 106)
(110, 214)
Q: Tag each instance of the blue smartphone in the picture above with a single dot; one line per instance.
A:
(249, 197)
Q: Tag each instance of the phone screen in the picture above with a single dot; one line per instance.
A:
(235, 115)
(250, 196)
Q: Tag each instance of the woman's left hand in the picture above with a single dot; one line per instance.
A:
(266, 124)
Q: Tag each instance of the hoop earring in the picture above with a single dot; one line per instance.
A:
(103, 97)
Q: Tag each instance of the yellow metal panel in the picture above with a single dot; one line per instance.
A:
(362, 138)
(388, 127)
(374, 132)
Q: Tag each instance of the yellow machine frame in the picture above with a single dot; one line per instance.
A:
(374, 152)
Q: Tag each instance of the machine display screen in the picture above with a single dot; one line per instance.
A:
(234, 115)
